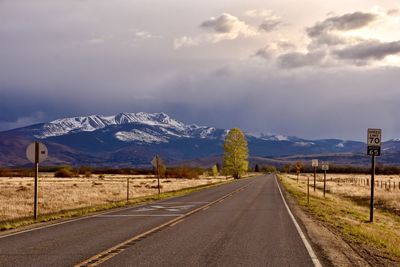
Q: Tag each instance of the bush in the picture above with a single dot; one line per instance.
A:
(64, 173)
(84, 170)
(268, 169)
(183, 172)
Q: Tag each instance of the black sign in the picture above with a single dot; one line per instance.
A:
(374, 151)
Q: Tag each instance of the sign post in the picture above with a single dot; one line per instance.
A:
(157, 162)
(314, 163)
(325, 167)
(127, 189)
(298, 169)
(36, 153)
(373, 149)
(308, 189)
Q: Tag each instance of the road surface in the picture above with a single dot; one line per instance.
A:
(244, 223)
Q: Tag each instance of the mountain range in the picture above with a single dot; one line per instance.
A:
(132, 139)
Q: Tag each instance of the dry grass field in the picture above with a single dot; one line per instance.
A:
(345, 208)
(60, 194)
(357, 188)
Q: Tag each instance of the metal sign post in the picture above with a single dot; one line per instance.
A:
(298, 169)
(308, 189)
(157, 162)
(127, 189)
(374, 149)
(314, 163)
(325, 167)
(36, 153)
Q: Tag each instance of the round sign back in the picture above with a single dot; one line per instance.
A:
(31, 153)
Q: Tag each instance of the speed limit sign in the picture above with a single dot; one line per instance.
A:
(374, 137)
(374, 142)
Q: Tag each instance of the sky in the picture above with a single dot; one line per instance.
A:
(314, 69)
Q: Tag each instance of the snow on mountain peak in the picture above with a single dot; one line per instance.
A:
(95, 122)
(269, 136)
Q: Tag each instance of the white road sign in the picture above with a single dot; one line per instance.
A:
(325, 166)
(314, 163)
(374, 137)
(31, 154)
(156, 161)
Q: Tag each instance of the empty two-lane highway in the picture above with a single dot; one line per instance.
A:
(244, 223)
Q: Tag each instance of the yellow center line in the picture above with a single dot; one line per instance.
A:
(117, 249)
(175, 223)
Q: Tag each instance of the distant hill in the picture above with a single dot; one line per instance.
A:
(132, 139)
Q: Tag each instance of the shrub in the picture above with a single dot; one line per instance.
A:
(84, 170)
(64, 173)
(183, 172)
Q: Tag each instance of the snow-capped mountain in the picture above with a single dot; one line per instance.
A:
(130, 139)
(166, 126)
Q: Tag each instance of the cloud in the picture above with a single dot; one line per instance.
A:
(257, 13)
(298, 60)
(340, 40)
(265, 53)
(144, 35)
(227, 27)
(270, 20)
(373, 50)
(224, 27)
(273, 48)
(393, 12)
(184, 42)
(96, 41)
(345, 22)
(269, 25)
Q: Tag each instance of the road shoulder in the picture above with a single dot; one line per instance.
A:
(330, 248)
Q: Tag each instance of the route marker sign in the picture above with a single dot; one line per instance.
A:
(374, 142)
(325, 166)
(314, 163)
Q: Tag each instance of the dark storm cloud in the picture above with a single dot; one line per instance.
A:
(263, 53)
(345, 22)
(297, 60)
(368, 51)
(312, 103)
(71, 58)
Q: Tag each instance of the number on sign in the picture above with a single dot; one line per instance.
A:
(374, 140)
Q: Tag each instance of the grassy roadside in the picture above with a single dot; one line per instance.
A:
(350, 220)
(64, 214)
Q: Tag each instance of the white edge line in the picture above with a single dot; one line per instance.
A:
(310, 251)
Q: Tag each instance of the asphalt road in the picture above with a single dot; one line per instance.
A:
(244, 223)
